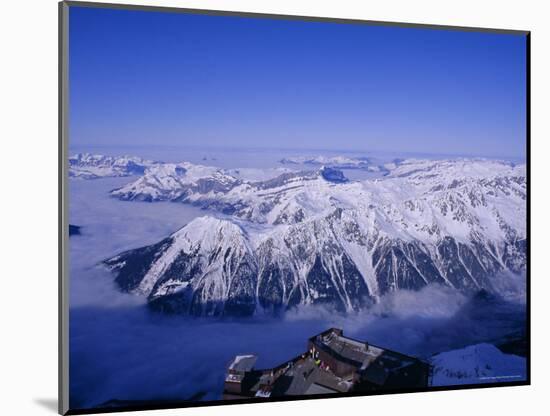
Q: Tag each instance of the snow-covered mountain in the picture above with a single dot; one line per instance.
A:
(476, 364)
(178, 182)
(339, 162)
(91, 166)
(315, 238)
(343, 162)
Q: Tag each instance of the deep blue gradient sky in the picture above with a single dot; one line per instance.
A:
(151, 78)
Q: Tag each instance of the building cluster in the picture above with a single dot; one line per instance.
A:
(331, 364)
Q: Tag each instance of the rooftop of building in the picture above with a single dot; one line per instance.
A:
(242, 363)
(303, 376)
(360, 354)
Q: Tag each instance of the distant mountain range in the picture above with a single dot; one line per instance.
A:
(90, 166)
(315, 238)
(340, 162)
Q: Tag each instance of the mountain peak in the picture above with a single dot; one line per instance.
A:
(332, 175)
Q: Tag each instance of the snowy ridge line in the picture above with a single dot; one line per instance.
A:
(408, 204)
(212, 267)
(95, 166)
(316, 238)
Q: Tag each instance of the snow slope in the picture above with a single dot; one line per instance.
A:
(476, 364)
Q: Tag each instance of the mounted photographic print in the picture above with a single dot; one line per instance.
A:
(265, 208)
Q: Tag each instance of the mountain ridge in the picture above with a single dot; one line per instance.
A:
(316, 238)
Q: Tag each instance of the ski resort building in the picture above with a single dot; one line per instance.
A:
(331, 364)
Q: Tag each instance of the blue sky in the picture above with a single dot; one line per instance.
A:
(149, 78)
